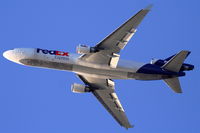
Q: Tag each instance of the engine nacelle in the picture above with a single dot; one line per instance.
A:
(187, 67)
(78, 88)
(84, 49)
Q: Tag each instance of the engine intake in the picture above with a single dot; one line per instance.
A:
(84, 49)
(78, 88)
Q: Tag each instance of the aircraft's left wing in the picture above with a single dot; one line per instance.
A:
(103, 90)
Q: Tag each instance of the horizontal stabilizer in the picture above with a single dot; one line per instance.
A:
(174, 84)
(167, 59)
(175, 63)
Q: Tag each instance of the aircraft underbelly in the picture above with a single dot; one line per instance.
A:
(47, 64)
(100, 73)
(114, 74)
(111, 73)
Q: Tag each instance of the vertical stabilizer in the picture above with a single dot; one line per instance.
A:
(174, 84)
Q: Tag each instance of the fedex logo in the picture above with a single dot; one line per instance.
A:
(52, 52)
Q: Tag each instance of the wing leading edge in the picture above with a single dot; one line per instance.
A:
(103, 90)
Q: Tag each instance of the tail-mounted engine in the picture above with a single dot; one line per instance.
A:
(84, 49)
(78, 88)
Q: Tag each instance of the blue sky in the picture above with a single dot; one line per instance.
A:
(35, 100)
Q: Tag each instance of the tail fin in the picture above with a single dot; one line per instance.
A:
(174, 84)
(175, 63)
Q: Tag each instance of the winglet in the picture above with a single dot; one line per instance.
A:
(148, 7)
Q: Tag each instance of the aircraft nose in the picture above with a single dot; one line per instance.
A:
(11, 55)
(18, 54)
(8, 54)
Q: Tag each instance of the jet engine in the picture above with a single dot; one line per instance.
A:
(78, 88)
(187, 67)
(84, 49)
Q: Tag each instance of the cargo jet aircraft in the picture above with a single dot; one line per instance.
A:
(97, 66)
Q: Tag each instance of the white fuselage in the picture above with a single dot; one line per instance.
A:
(72, 62)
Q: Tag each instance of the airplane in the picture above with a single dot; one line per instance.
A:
(99, 65)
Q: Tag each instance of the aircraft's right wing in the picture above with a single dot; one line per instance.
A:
(103, 90)
(117, 40)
